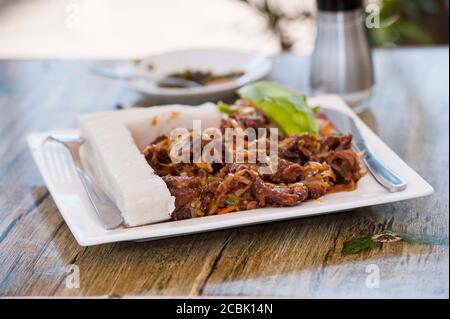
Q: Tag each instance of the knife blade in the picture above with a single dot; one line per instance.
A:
(383, 175)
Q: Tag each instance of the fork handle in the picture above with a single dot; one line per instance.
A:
(383, 174)
(104, 207)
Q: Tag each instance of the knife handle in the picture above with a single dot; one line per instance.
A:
(383, 174)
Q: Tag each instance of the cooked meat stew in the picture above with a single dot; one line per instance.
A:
(308, 168)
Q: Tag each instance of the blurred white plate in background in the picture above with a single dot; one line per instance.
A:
(217, 61)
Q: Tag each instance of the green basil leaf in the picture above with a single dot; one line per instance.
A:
(225, 108)
(355, 246)
(262, 89)
(288, 110)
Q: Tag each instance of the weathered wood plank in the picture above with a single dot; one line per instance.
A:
(297, 258)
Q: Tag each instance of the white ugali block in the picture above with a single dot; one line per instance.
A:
(113, 154)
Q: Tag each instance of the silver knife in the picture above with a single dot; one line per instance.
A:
(105, 208)
(383, 174)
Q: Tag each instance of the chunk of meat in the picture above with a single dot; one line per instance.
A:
(251, 119)
(345, 163)
(157, 155)
(332, 142)
(187, 191)
(279, 194)
(299, 148)
(287, 172)
(318, 178)
(316, 189)
(308, 146)
(287, 148)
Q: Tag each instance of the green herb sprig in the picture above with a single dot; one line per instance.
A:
(387, 236)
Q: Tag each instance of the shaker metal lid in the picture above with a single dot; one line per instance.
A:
(338, 5)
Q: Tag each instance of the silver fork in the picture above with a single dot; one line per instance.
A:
(105, 208)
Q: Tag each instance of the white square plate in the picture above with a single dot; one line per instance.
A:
(61, 179)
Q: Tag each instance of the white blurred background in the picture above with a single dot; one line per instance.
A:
(134, 28)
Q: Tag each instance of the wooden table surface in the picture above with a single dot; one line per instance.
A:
(296, 258)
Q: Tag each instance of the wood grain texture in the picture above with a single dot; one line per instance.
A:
(298, 258)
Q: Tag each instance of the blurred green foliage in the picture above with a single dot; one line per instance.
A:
(414, 22)
(403, 22)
